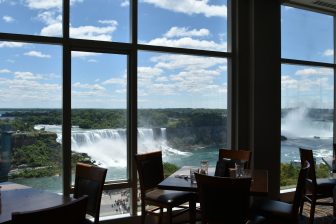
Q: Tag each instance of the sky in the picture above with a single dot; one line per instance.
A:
(31, 74)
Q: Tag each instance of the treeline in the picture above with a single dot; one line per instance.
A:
(25, 120)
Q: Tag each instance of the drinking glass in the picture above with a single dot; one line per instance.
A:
(204, 167)
(239, 165)
(192, 174)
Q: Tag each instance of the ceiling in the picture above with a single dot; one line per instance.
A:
(328, 6)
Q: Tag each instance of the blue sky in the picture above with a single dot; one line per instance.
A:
(32, 73)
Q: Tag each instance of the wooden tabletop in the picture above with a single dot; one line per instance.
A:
(16, 197)
(180, 181)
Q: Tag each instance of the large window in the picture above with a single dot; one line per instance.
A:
(307, 87)
(90, 82)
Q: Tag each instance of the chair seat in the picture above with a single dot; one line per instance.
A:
(168, 197)
(270, 208)
(325, 185)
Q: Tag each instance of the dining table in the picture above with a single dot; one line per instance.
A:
(18, 198)
(180, 180)
(330, 162)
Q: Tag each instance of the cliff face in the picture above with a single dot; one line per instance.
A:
(196, 136)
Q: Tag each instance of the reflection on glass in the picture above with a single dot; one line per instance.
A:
(306, 35)
(31, 96)
(186, 24)
(307, 96)
(182, 104)
(115, 202)
(106, 20)
(99, 111)
(32, 17)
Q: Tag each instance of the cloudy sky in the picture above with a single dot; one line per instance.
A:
(31, 74)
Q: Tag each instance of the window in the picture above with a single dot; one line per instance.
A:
(80, 94)
(307, 88)
(31, 99)
(182, 104)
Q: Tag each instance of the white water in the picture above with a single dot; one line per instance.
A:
(298, 124)
(108, 146)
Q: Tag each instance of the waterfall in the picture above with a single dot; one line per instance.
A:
(298, 124)
(109, 146)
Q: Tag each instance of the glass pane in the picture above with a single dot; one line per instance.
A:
(99, 111)
(31, 102)
(106, 20)
(115, 202)
(184, 23)
(182, 104)
(307, 99)
(306, 35)
(35, 17)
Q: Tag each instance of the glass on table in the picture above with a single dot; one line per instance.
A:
(204, 167)
(240, 166)
(192, 175)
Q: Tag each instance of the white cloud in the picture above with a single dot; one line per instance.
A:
(5, 71)
(114, 81)
(328, 52)
(37, 54)
(109, 22)
(314, 71)
(188, 42)
(52, 30)
(79, 54)
(182, 74)
(11, 44)
(186, 32)
(95, 87)
(47, 4)
(191, 7)
(8, 19)
(27, 76)
(93, 32)
(44, 4)
(50, 17)
(125, 3)
(92, 61)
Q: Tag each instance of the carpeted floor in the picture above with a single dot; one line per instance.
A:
(323, 214)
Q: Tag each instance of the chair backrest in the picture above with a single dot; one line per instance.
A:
(89, 180)
(72, 212)
(307, 155)
(150, 170)
(300, 188)
(223, 199)
(236, 155)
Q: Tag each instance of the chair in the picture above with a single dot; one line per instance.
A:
(276, 212)
(244, 155)
(89, 180)
(315, 188)
(228, 158)
(72, 212)
(223, 199)
(150, 170)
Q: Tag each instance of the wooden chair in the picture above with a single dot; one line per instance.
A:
(224, 199)
(89, 180)
(72, 212)
(277, 212)
(150, 170)
(244, 155)
(315, 188)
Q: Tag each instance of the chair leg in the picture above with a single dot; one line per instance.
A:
(161, 215)
(170, 215)
(192, 211)
(301, 206)
(143, 213)
(312, 210)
